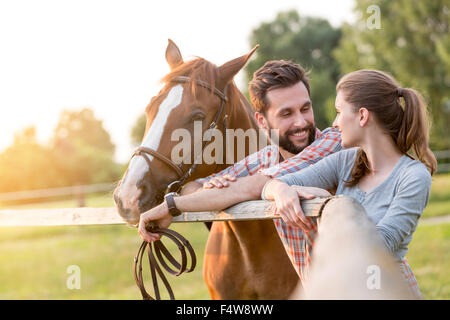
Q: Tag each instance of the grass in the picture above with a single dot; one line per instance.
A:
(34, 260)
(439, 201)
(429, 258)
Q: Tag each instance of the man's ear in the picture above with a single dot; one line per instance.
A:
(364, 116)
(261, 120)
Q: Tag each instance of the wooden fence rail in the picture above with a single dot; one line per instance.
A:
(56, 192)
(250, 210)
(443, 155)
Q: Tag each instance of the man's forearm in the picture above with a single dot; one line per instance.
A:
(247, 188)
(191, 187)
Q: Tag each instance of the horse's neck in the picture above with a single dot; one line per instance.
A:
(240, 117)
(243, 115)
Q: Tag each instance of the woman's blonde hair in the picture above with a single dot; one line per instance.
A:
(401, 112)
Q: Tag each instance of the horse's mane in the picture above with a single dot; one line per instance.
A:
(201, 69)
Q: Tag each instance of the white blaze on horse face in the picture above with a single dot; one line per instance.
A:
(138, 166)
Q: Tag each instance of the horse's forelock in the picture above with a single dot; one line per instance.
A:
(201, 69)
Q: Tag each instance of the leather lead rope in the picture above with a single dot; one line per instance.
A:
(156, 251)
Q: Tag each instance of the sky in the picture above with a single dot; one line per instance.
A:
(109, 55)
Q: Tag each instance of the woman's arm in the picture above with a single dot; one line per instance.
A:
(324, 174)
(403, 214)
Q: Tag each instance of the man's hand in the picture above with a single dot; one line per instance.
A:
(158, 216)
(219, 182)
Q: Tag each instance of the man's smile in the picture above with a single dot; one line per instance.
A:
(299, 134)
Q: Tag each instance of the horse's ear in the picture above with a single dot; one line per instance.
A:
(173, 55)
(229, 69)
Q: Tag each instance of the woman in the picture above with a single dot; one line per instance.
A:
(381, 123)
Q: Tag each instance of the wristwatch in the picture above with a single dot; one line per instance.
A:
(173, 210)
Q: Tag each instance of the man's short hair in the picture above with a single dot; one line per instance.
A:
(274, 74)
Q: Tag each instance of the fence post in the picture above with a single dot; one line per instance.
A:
(81, 196)
(349, 259)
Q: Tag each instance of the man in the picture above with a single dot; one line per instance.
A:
(280, 94)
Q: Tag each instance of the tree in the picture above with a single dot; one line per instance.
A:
(83, 127)
(412, 44)
(27, 165)
(309, 42)
(138, 130)
(84, 148)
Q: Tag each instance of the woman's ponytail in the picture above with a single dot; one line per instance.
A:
(414, 130)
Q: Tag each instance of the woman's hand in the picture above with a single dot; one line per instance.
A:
(158, 216)
(288, 203)
(318, 192)
(219, 182)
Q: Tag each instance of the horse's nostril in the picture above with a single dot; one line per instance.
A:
(140, 184)
(118, 201)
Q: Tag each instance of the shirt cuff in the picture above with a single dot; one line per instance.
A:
(264, 190)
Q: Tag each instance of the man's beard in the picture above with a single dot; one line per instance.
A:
(285, 143)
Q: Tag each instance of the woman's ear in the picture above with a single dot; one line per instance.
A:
(364, 116)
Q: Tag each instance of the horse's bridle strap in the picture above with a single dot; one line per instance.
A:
(184, 79)
(142, 151)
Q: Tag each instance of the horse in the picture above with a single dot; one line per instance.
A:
(243, 260)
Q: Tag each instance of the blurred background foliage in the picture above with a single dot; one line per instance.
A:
(412, 43)
(309, 42)
(80, 152)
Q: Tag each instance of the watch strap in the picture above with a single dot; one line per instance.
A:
(173, 210)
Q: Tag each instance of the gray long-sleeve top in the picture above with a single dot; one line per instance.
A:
(394, 206)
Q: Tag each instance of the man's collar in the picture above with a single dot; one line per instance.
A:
(318, 133)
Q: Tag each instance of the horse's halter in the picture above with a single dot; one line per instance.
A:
(176, 185)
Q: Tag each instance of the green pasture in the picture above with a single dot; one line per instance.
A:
(34, 260)
(439, 201)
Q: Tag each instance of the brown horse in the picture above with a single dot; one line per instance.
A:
(243, 260)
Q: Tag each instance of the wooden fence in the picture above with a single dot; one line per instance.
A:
(443, 155)
(250, 210)
(347, 246)
(79, 192)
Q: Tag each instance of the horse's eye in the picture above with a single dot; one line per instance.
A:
(197, 116)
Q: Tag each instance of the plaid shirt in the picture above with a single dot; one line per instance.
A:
(327, 142)
(297, 243)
